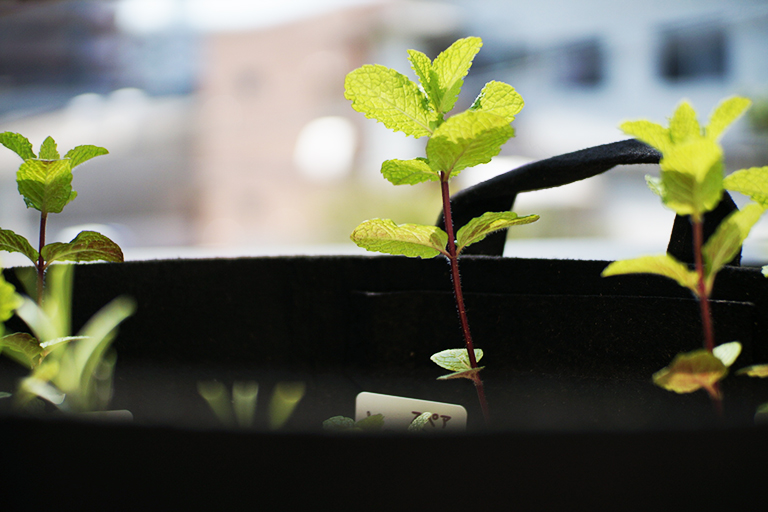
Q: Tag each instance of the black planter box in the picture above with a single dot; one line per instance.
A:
(577, 422)
(568, 362)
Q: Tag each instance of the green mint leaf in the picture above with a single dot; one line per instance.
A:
(684, 127)
(408, 172)
(756, 370)
(726, 241)
(372, 423)
(695, 158)
(391, 98)
(422, 66)
(685, 196)
(86, 246)
(97, 334)
(48, 149)
(480, 227)
(81, 154)
(726, 113)
(455, 359)
(17, 143)
(727, 352)
(692, 371)
(46, 184)
(412, 240)
(752, 182)
(451, 66)
(338, 424)
(664, 265)
(692, 177)
(9, 299)
(22, 347)
(651, 133)
(467, 139)
(500, 99)
(11, 242)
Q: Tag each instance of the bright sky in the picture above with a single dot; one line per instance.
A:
(219, 15)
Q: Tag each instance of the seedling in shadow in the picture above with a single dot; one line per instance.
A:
(239, 410)
(370, 424)
(74, 373)
(455, 143)
(373, 424)
(45, 183)
(692, 183)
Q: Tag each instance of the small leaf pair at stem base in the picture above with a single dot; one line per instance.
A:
(415, 240)
(457, 360)
(700, 369)
(756, 370)
(372, 423)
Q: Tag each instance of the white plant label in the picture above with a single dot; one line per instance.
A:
(399, 412)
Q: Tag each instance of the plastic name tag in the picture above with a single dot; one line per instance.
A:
(399, 412)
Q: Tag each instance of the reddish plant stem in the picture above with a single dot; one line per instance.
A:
(703, 296)
(706, 316)
(453, 259)
(40, 261)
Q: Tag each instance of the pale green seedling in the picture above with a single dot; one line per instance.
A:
(45, 183)
(239, 409)
(454, 143)
(457, 361)
(9, 302)
(691, 183)
(72, 372)
(752, 182)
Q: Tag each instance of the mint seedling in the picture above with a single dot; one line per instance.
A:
(369, 424)
(45, 183)
(692, 183)
(455, 143)
(72, 372)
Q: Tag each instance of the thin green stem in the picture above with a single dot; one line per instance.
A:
(453, 259)
(40, 261)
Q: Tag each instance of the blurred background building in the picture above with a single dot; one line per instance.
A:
(229, 133)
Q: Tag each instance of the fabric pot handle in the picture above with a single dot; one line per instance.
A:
(499, 193)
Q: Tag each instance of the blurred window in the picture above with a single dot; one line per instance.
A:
(580, 64)
(693, 53)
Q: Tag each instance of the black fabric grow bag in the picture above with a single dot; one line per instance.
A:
(569, 357)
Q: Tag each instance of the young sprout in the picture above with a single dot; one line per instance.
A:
(691, 184)
(454, 143)
(45, 183)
